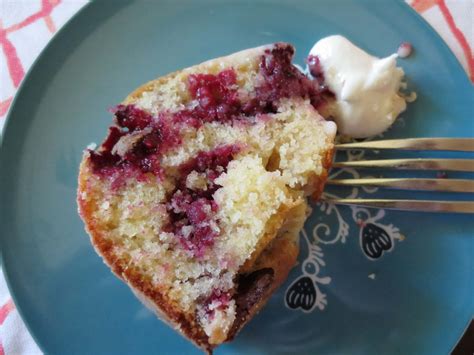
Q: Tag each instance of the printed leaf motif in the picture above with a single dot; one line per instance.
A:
(375, 240)
(301, 294)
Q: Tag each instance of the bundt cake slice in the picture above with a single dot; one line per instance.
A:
(196, 196)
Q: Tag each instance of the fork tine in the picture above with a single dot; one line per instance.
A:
(413, 164)
(452, 144)
(450, 185)
(409, 205)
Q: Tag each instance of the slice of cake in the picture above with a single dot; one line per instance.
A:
(196, 196)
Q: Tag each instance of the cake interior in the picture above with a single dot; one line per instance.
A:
(197, 194)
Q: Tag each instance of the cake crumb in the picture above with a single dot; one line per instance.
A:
(187, 196)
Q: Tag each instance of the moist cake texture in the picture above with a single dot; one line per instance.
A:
(196, 196)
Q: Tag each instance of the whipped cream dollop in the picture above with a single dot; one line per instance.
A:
(366, 87)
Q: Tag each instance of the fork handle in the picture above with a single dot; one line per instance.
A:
(409, 205)
(445, 144)
(411, 164)
(450, 185)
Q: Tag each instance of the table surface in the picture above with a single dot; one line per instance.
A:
(26, 26)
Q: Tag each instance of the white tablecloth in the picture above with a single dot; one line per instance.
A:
(27, 25)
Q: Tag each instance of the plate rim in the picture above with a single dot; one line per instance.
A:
(34, 67)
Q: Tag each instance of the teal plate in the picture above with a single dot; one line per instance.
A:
(410, 292)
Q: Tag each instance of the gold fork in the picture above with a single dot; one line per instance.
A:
(441, 184)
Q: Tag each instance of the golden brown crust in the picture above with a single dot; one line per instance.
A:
(179, 320)
(149, 86)
(270, 257)
(279, 255)
(135, 94)
(165, 309)
(274, 253)
(280, 263)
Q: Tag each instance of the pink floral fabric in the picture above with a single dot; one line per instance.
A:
(26, 26)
